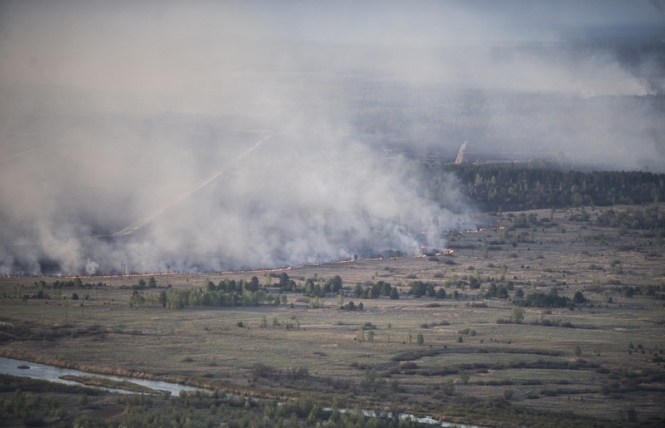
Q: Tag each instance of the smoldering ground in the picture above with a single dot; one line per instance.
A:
(113, 113)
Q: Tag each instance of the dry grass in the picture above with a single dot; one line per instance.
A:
(206, 345)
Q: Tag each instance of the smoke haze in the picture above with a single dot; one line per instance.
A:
(264, 134)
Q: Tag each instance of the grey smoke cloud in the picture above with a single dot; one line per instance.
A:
(112, 112)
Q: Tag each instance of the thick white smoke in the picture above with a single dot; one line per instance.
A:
(111, 113)
(298, 198)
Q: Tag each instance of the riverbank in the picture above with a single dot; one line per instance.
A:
(187, 384)
(73, 377)
(109, 383)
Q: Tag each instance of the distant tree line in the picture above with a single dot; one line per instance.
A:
(420, 288)
(226, 293)
(514, 187)
(179, 299)
(74, 283)
(376, 290)
(646, 219)
(57, 286)
(550, 300)
(319, 288)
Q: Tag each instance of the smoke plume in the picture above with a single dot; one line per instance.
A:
(221, 135)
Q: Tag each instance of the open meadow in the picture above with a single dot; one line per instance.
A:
(549, 317)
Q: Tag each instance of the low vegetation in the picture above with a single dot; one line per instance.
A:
(497, 337)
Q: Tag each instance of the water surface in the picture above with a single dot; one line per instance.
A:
(10, 366)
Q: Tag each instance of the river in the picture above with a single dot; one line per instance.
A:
(11, 366)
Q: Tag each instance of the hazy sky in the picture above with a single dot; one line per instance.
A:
(110, 111)
(152, 51)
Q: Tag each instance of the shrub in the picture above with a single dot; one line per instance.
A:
(262, 370)
(579, 297)
(408, 366)
(448, 388)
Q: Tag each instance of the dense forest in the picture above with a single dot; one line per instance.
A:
(509, 187)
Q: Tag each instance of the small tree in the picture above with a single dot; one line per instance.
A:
(464, 377)
(283, 280)
(518, 314)
(162, 298)
(420, 339)
(358, 291)
(337, 284)
(253, 284)
(360, 335)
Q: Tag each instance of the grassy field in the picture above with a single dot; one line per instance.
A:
(601, 360)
